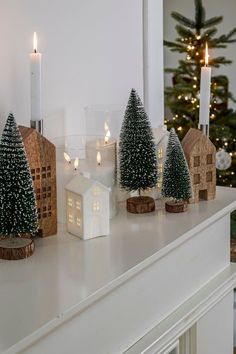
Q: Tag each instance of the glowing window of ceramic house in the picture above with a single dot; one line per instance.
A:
(78, 204)
(70, 202)
(78, 221)
(96, 206)
(70, 218)
(96, 191)
(160, 153)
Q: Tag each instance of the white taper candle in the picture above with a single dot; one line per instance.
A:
(35, 66)
(205, 92)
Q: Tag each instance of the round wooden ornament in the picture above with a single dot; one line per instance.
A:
(176, 207)
(140, 205)
(16, 248)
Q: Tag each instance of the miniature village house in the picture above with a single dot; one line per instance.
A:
(161, 136)
(41, 155)
(87, 208)
(200, 154)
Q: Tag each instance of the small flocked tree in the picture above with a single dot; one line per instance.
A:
(176, 182)
(18, 213)
(138, 163)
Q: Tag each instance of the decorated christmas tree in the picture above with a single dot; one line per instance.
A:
(18, 214)
(183, 96)
(176, 183)
(137, 155)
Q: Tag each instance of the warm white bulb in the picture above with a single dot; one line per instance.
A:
(35, 43)
(67, 157)
(76, 163)
(99, 158)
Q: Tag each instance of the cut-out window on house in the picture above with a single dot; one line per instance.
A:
(78, 205)
(70, 218)
(70, 202)
(96, 206)
(209, 159)
(209, 176)
(43, 169)
(160, 153)
(196, 161)
(78, 222)
(196, 178)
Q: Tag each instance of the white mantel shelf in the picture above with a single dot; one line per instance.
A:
(66, 275)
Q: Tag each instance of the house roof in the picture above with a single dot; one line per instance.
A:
(26, 132)
(160, 133)
(194, 136)
(80, 185)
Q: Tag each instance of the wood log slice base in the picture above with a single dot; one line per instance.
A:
(16, 248)
(176, 207)
(140, 205)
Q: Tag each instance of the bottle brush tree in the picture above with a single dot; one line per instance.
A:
(18, 213)
(137, 153)
(176, 183)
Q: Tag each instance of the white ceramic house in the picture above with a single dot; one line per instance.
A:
(87, 208)
(161, 136)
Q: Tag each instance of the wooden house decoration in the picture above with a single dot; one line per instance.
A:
(88, 214)
(201, 157)
(41, 154)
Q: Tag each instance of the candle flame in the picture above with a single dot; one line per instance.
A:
(67, 157)
(106, 126)
(107, 136)
(99, 158)
(76, 163)
(35, 43)
(206, 55)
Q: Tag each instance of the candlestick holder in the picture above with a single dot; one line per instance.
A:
(38, 125)
(205, 129)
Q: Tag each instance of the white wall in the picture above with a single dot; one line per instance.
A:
(92, 54)
(225, 8)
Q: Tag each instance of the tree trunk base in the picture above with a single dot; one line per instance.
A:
(176, 207)
(16, 248)
(140, 205)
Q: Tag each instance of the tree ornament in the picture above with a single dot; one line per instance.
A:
(18, 214)
(176, 182)
(138, 162)
(223, 160)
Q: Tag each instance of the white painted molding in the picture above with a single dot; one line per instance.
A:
(190, 312)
